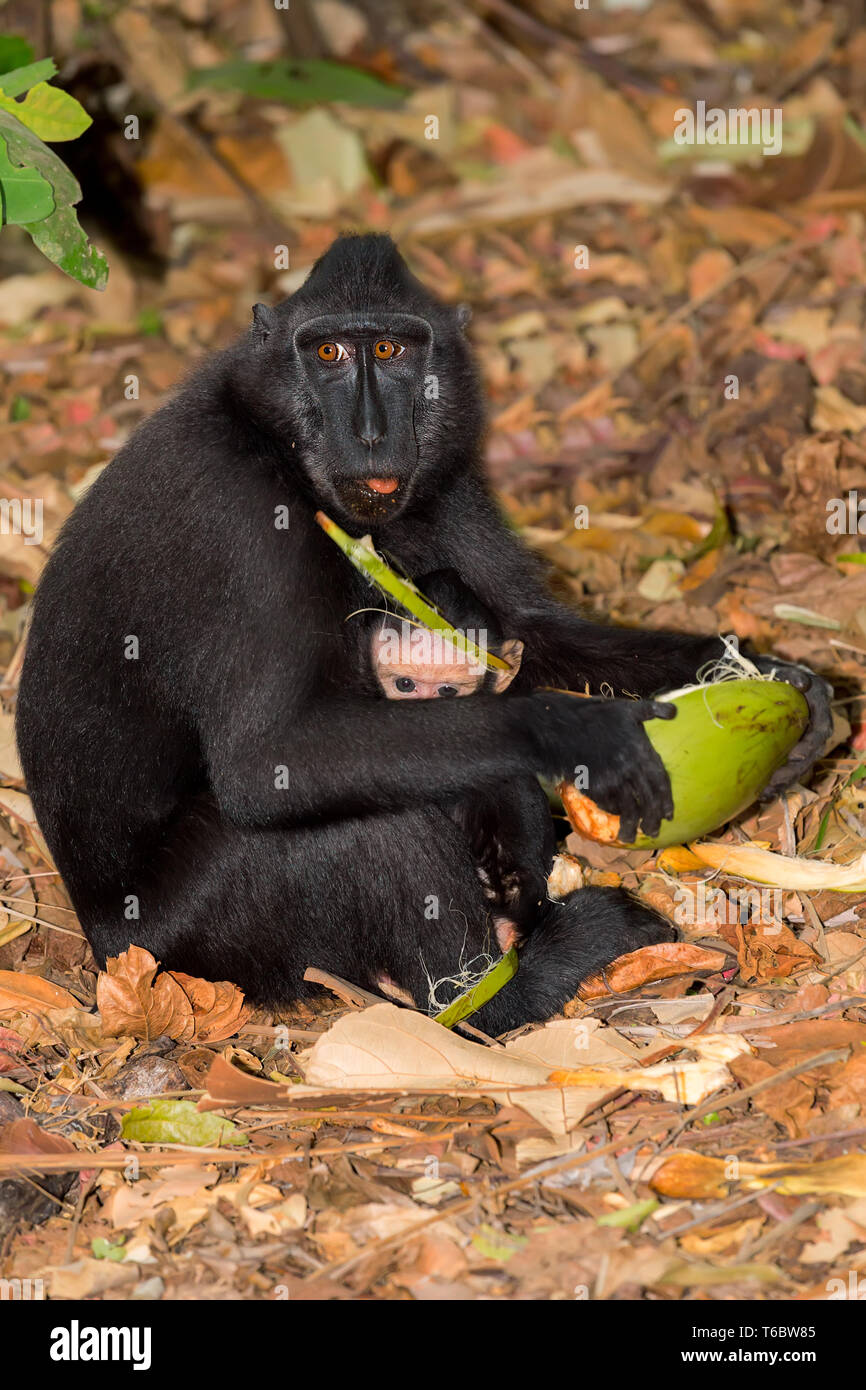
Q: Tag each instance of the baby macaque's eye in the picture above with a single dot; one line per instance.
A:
(445, 692)
(405, 684)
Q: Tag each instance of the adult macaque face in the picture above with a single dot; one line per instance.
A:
(413, 663)
(366, 375)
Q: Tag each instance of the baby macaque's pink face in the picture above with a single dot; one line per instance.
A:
(419, 665)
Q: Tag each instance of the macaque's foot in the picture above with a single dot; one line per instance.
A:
(571, 940)
(818, 694)
(507, 933)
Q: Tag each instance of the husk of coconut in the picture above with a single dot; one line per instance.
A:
(722, 748)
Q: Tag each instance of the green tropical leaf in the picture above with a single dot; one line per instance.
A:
(307, 82)
(25, 195)
(25, 148)
(14, 51)
(631, 1217)
(49, 112)
(13, 83)
(179, 1122)
(103, 1249)
(59, 235)
(61, 238)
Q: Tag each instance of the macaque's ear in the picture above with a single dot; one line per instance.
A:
(512, 652)
(464, 314)
(264, 320)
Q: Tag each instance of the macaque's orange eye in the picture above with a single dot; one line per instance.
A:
(385, 349)
(331, 352)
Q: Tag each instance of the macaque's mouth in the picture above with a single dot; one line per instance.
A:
(371, 499)
(382, 486)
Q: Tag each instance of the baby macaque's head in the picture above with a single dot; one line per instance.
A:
(414, 663)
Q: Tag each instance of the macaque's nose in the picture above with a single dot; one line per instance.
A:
(371, 420)
(370, 435)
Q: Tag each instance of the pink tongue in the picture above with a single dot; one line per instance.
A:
(382, 484)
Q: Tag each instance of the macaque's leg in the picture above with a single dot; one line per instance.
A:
(512, 839)
(393, 897)
(568, 941)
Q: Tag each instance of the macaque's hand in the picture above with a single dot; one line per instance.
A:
(818, 695)
(602, 745)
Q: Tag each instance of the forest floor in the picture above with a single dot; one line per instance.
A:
(675, 347)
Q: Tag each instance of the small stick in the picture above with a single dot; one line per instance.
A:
(350, 994)
(784, 1228)
(41, 922)
(172, 1154)
(83, 1195)
(818, 925)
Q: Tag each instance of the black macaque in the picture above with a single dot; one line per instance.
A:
(209, 774)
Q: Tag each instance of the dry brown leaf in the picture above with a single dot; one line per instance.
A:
(838, 1228)
(25, 1136)
(811, 44)
(21, 993)
(10, 766)
(709, 268)
(218, 1008)
(843, 946)
(833, 411)
(134, 1001)
(131, 1002)
(545, 185)
(848, 1086)
(128, 1204)
(789, 1102)
(738, 226)
(19, 808)
(86, 1277)
(766, 951)
(153, 54)
(387, 1048)
(730, 1237)
(372, 1221)
(651, 963)
(788, 1043)
(188, 1195)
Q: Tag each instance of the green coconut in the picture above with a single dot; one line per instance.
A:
(722, 748)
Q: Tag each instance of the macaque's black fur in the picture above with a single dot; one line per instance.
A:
(154, 763)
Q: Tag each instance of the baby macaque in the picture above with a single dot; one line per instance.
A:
(411, 662)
